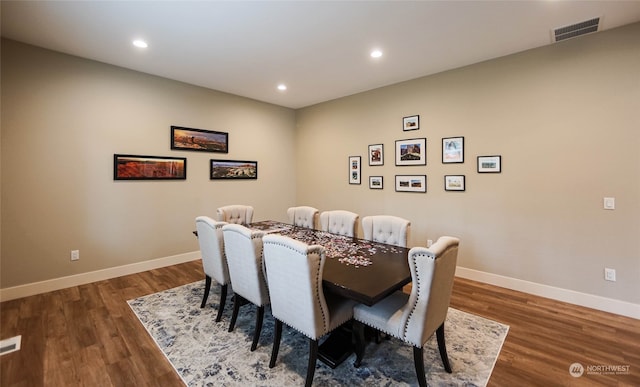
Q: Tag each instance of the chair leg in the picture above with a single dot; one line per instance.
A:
(358, 332)
(223, 299)
(313, 356)
(207, 286)
(419, 363)
(256, 332)
(442, 348)
(234, 315)
(276, 343)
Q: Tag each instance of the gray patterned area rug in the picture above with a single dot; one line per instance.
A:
(205, 354)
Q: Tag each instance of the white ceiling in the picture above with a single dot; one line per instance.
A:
(320, 49)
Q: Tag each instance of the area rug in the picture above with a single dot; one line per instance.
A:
(205, 354)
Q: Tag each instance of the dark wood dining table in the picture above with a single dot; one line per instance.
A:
(354, 268)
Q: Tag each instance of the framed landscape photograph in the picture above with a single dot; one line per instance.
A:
(489, 164)
(376, 154)
(411, 123)
(411, 183)
(454, 183)
(134, 167)
(233, 169)
(411, 152)
(375, 182)
(199, 140)
(354, 170)
(453, 150)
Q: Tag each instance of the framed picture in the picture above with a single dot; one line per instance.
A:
(453, 150)
(233, 169)
(133, 167)
(489, 164)
(411, 123)
(376, 154)
(411, 183)
(454, 183)
(354, 170)
(199, 140)
(375, 182)
(411, 152)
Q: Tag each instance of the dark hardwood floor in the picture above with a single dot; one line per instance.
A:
(88, 336)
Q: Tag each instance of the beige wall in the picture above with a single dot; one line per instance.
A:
(565, 119)
(64, 117)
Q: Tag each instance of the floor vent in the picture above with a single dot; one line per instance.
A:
(10, 345)
(582, 28)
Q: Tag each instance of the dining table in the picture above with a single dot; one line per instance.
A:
(354, 268)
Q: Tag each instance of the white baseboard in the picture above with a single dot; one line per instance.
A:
(93, 276)
(610, 305)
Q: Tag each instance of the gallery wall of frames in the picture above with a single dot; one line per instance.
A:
(144, 167)
(413, 152)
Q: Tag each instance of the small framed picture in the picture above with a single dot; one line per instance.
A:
(376, 154)
(454, 183)
(233, 169)
(453, 150)
(199, 140)
(134, 167)
(354, 170)
(489, 164)
(375, 182)
(411, 123)
(411, 152)
(411, 183)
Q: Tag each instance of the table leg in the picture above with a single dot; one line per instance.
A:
(338, 346)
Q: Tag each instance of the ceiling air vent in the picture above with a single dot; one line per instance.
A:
(582, 28)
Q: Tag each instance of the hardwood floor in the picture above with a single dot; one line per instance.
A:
(88, 336)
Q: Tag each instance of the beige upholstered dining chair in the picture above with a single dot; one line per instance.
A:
(243, 248)
(414, 317)
(236, 213)
(387, 229)
(295, 272)
(214, 260)
(303, 216)
(339, 222)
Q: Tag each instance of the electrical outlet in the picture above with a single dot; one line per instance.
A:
(610, 274)
(75, 255)
(429, 242)
(609, 203)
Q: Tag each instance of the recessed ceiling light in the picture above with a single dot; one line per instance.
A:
(140, 43)
(282, 87)
(376, 54)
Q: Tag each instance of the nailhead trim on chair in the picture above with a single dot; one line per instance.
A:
(255, 235)
(418, 286)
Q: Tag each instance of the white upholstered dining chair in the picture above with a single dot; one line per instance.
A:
(214, 261)
(339, 222)
(243, 248)
(414, 317)
(388, 229)
(235, 213)
(303, 216)
(295, 272)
